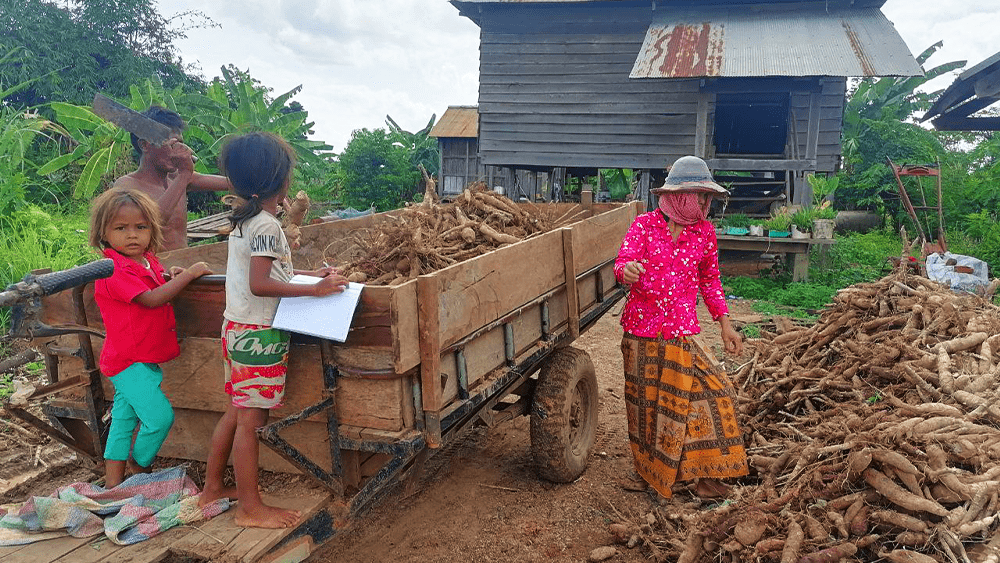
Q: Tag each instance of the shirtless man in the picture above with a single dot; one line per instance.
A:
(166, 173)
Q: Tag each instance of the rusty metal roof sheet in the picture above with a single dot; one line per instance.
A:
(975, 89)
(457, 121)
(734, 42)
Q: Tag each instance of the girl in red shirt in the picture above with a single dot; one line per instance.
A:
(139, 324)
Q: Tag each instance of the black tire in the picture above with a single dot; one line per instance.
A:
(564, 415)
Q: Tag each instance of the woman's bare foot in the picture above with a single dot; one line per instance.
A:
(710, 488)
(634, 482)
(208, 496)
(265, 516)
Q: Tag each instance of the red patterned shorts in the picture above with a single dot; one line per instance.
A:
(256, 361)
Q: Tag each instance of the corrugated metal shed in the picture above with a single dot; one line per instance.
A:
(457, 122)
(740, 42)
(975, 89)
(472, 9)
(667, 4)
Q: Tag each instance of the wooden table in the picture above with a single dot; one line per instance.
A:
(796, 250)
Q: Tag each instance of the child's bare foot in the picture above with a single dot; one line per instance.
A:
(134, 468)
(114, 473)
(208, 496)
(265, 516)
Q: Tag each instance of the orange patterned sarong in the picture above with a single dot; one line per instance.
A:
(681, 411)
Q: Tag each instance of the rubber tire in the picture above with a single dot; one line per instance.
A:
(564, 415)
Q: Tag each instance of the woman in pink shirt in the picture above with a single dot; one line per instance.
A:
(681, 407)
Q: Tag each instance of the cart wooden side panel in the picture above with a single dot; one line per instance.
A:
(493, 311)
(475, 293)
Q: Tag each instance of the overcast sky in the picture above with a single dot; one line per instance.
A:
(359, 60)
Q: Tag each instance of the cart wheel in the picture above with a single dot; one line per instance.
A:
(564, 415)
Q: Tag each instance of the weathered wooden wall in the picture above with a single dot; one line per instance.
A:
(555, 91)
(460, 164)
(827, 108)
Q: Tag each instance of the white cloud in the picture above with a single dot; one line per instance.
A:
(967, 29)
(359, 60)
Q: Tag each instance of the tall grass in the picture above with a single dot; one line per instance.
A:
(31, 239)
(855, 258)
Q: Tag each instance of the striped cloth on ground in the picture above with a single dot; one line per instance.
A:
(143, 506)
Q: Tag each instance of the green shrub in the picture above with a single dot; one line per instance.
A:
(980, 239)
(750, 288)
(779, 222)
(854, 259)
(797, 294)
(805, 295)
(31, 239)
(737, 221)
(803, 219)
(6, 385)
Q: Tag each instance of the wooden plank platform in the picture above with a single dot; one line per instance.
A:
(208, 227)
(215, 540)
(796, 250)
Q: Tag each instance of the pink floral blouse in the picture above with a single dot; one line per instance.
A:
(663, 300)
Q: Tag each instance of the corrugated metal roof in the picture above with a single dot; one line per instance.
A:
(457, 121)
(975, 89)
(737, 42)
(667, 3)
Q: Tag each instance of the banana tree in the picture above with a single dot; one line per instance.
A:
(234, 105)
(228, 107)
(97, 145)
(100, 147)
(422, 148)
(889, 99)
(19, 129)
(618, 181)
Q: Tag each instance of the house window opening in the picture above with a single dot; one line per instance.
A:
(751, 124)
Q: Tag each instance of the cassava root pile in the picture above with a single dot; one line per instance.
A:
(874, 433)
(428, 236)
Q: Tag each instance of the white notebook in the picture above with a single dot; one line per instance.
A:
(324, 317)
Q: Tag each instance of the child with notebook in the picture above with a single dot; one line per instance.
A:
(259, 267)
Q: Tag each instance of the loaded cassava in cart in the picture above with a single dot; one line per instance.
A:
(478, 342)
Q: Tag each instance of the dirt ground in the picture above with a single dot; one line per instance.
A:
(482, 501)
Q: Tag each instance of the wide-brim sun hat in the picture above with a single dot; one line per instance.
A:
(690, 174)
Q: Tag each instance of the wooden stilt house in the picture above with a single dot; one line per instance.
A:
(755, 88)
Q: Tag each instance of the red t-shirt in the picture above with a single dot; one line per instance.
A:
(134, 333)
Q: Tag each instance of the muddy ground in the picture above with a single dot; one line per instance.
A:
(478, 500)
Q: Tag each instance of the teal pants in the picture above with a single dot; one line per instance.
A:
(138, 400)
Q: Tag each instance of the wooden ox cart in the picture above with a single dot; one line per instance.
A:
(480, 342)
